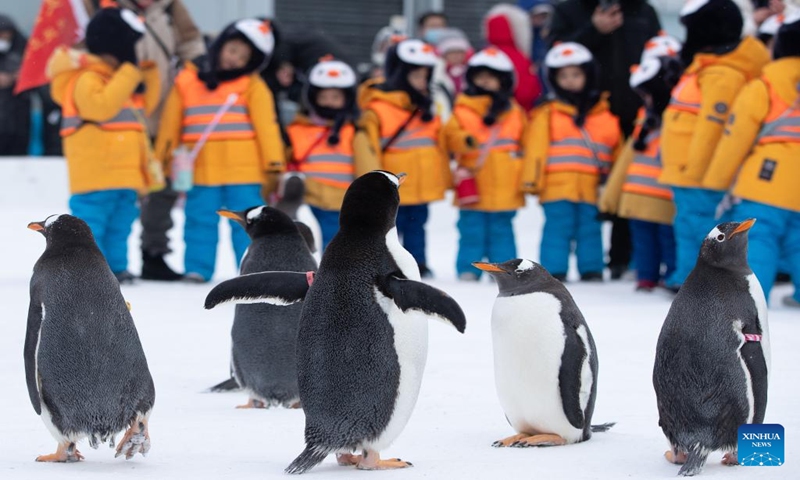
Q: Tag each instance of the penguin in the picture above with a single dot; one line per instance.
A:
(713, 353)
(550, 400)
(86, 372)
(263, 359)
(362, 343)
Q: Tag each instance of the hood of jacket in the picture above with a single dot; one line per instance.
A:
(784, 76)
(508, 26)
(66, 63)
(749, 58)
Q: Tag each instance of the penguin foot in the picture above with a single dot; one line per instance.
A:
(676, 457)
(371, 460)
(507, 442)
(348, 459)
(65, 453)
(730, 459)
(542, 440)
(253, 403)
(136, 439)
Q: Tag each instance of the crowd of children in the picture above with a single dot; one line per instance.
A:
(718, 137)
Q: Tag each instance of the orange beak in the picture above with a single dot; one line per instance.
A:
(401, 177)
(488, 267)
(36, 226)
(229, 214)
(744, 226)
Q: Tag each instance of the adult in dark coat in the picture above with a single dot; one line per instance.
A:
(615, 31)
(15, 110)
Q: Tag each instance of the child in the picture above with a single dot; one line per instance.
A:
(719, 63)
(758, 156)
(493, 123)
(404, 134)
(244, 147)
(570, 145)
(103, 132)
(633, 191)
(323, 141)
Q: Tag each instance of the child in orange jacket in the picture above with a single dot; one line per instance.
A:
(405, 134)
(103, 132)
(243, 151)
(487, 114)
(570, 147)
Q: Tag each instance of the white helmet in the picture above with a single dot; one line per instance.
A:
(567, 54)
(332, 74)
(662, 45)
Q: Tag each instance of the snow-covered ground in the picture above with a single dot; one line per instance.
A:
(200, 435)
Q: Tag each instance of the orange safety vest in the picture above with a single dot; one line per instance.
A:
(327, 164)
(643, 172)
(573, 149)
(200, 105)
(509, 131)
(416, 134)
(686, 95)
(782, 123)
(125, 119)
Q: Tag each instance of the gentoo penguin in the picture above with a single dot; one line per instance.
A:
(712, 359)
(545, 360)
(363, 336)
(264, 337)
(85, 368)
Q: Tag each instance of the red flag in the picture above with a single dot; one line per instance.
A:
(60, 22)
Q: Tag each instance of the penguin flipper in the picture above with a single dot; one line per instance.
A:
(35, 316)
(275, 288)
(569, 377)
(413, 295)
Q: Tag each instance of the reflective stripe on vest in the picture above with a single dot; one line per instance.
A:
(508, 136)
(327, 164)
(782, 123)
(686, 95)
(125, 119)
(643, 172)
(417, 134)
(200, 105)
(574, 155)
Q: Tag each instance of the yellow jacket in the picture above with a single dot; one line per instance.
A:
(691, 133)
(321, 192)
(634, 204)
(768, 170)
(228, 161)
(575, 183)
(427, 167)
(99, 159)
(499, 178)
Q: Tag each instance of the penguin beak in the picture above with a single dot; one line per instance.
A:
(744, 226)
(235, 216)
(489, 267)
(37, 227)
(401, 177)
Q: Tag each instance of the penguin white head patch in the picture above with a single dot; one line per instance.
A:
(524, 266)
(254, 213)
(567, 54)
(259, 32)
(132, 20)
(392, 178)
(51, 220)
(717, 235)
(332, 74)
(416, 52)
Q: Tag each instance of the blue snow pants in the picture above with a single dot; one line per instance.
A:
(484, 236)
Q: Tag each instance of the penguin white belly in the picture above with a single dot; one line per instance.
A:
(411, 345)
(761, 307)
(528, 339)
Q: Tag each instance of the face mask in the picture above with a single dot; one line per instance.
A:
(5, 45)
(432, 35)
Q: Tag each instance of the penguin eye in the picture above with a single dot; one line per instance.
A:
(721, 237)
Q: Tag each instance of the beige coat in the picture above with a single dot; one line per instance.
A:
(170, 21)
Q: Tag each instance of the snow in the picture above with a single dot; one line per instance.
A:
(200, 435)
